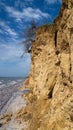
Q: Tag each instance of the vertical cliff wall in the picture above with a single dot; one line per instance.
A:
(51, 76)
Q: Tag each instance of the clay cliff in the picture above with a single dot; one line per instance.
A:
(49, 105)
(51, 76)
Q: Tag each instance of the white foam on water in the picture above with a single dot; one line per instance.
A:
(2, 85)
(0, 82)
(19, 80)
(12, 83)
(7, 82)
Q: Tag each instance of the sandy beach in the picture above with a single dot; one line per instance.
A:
(11, 101)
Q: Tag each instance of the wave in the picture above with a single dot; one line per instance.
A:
(7, 82)
(12, 83)
(2, 85)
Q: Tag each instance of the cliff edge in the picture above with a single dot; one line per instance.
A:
(51, 76)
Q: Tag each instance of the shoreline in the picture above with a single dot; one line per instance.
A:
(7, 92)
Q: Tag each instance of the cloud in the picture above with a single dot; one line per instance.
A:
(26, 14)
(22, 3)
(10, 52)
(17, 67)
(53, 1)
(10, 62)
(6, 29)
(11, 32)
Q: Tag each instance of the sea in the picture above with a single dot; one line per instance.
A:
(10, 81)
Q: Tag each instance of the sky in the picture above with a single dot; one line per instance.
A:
(15, 16)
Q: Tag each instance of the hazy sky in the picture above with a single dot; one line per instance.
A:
(15, 16)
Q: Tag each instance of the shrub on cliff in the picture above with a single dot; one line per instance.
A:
(29, 36)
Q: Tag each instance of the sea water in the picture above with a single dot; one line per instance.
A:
(10, 81)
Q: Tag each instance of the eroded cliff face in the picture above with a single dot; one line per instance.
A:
(51, 76)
